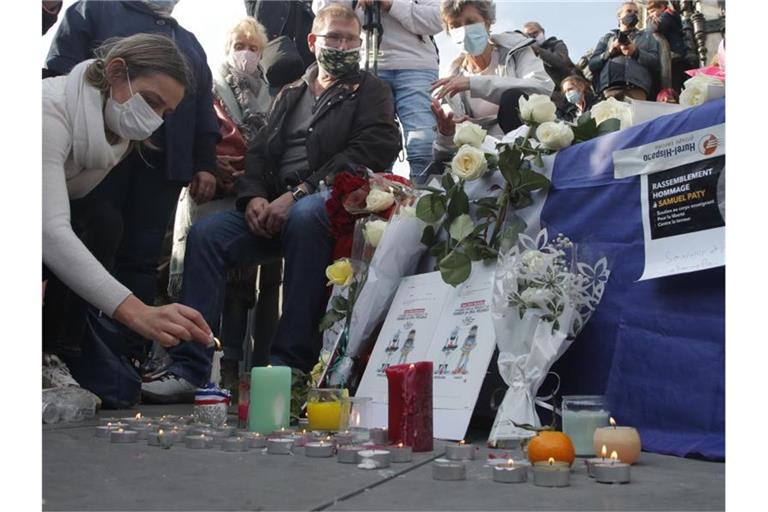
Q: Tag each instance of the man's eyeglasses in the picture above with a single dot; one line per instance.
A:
(335, 40)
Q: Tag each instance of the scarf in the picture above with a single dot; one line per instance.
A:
(92, 154)
(251, 95)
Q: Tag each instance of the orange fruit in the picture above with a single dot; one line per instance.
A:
(549, 443)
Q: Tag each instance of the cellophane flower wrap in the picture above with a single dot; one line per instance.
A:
(385, 246)
(542, 299)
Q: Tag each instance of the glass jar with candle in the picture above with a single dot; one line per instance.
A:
(360, 411)
(328, 409)
(582, 414)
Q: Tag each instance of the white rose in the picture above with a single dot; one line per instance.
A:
(612, 109)
(379, 200)
(554, 135)
(469, 133)
(536, 261)
(373, 231)
(537, 298)
(469, 163)
(407, 212)
(696, 89)
(538, 108)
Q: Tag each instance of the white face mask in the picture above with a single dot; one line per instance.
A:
(132, 120)
(245, 61)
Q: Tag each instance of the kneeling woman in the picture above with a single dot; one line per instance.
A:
(92, 118)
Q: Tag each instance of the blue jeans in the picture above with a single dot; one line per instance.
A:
(220, 241)
(411, 90)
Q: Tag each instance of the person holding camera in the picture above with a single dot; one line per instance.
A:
(625, 60)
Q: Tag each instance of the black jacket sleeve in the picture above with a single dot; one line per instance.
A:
(557, 58)
(74, 39)
(599, 56)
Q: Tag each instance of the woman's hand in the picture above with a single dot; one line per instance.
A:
(450, 86)
(168, 325)
(446, 123)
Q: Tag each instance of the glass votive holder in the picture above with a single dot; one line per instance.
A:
(582, 415)
(328, 409)
(360, 412)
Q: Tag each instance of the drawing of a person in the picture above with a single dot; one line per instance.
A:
(469, 343)
(450, 345)
(407, 346)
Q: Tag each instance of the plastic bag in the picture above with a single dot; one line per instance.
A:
(69, 404)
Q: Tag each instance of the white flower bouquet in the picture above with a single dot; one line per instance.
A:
(542, 299)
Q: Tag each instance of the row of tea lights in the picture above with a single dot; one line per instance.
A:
(376, 454)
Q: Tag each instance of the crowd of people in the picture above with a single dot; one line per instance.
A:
(139, 135)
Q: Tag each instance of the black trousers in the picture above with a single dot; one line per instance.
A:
(509, 116)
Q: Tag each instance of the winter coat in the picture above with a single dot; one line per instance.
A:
(554, 53)
(353, 123)
(190, 133)
(639, 70)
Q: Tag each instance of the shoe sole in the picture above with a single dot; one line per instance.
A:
(149, 397)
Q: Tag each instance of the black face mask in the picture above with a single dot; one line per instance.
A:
(630, 20)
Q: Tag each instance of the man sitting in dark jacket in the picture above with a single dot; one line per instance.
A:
(625, 61)
(335, 116)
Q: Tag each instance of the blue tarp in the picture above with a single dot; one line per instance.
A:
(655, 348)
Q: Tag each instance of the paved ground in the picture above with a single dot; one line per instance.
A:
(81, 472)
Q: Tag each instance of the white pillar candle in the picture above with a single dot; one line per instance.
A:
(624, 440)
(374, 459)
(460, 451)
(121, 435)
(279, 446)
(551, 474)
(318, 449)
(448, 470)
(235, 444)
(400, 453)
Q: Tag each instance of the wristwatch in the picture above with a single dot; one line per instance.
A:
(297, 192)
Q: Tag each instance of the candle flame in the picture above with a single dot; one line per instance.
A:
(400, 445)
(612, 422)
(614, 456)
(109, 423)
(461, 442)
(120, 429)
(138, 415)
(551, 461)
(269, 366)
(604, 451)
(304, 431)
(160, 432)
(412, 366)
(510, 462)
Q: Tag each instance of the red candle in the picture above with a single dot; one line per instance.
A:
(410, 405)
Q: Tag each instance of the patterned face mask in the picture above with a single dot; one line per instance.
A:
(338, 63)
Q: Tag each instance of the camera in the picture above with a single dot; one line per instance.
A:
(623, 38)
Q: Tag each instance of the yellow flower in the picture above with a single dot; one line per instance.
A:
(340, 273)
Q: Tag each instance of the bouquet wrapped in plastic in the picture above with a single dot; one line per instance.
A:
(542, 299)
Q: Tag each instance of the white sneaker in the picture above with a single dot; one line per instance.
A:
(56, 374)
(167, 388)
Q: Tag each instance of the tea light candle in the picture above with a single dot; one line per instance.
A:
(197, 429)
(374, 459)
(161, 438)
(104, 430)
(510, 473)
(279, 446)
(137, 420)
(255, 440)
(448, 470)
(611, 472)
(301, 438)
(400, 453)
(460, 451)
(318, 449)
(218, 436)
(379, 436)
(177, 433)
(235, 444)
(283, 432)
(107, 421)
(623, 440)
(231, 430)
(349, 454)
(345, 437)
(596, 460)
(142, 431)
(551, 474)
(120, 435)
(198, 442)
